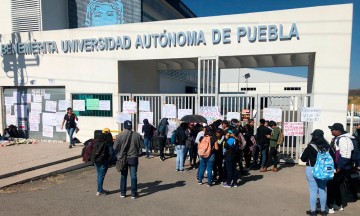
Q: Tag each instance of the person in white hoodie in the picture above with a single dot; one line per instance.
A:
(343, 147)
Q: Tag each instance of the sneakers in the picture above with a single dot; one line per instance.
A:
(182, 170)
(338, 208)
(331, 211)
(135, 196)
(309, 212)
(200, 183)
(103, 193)
(70, 146)
(122, 195)
(162, 158)
(226, 185)
(263, 169)
(208, 185)
(274, 169)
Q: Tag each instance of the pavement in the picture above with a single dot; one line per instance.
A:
(24, 162)
(163, 191)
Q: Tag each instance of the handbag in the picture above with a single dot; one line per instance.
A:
(122, 161)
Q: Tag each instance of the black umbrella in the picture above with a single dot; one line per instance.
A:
(194, 118)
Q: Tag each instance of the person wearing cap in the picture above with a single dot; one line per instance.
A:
(100, 158)
(316, 186)
(128, 143)
(343, 146)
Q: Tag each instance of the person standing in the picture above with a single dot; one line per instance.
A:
(316, 186)
(180, 146)
(343, 146)
(127, 143)
(263, 141)
(273, 145)
(162, 135)
(70, 125)
(100, 158)
(148, 131)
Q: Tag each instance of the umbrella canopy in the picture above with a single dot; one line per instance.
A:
(194, 118)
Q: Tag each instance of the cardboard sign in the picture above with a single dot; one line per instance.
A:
(272, 114)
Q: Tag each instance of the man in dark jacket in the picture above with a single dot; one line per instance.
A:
(162, 134)
(128, 143)
(148, 131)
(263, 141)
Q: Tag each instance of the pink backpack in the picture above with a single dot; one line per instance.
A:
(204, 147)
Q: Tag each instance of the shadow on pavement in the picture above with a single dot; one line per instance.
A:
(250, 178)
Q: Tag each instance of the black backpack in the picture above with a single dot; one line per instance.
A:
(100, 152)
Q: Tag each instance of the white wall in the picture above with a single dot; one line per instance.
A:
(325, 31)
(5, 17)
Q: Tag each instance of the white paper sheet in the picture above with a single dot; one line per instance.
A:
(11, 120)
(47, 96)
(9, 101)
(50, 106)
(36, 107)
(63, 105)
(104, 105)
(144, 106)
(169, 110)
(34, 126)
(293, 128)
(79, 105)
(59, 116)
(272, 114)
(310, 114)
(48, 131)
(139, 129)
(184, 112)
(170, 128)
(37, 98)
(123, 117)
(233, 115)
(49, 119)
(34, 117)
(8, 109)
(146, 115)
(129, 107)
(211, 113)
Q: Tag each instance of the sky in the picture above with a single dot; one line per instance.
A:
(203, 8)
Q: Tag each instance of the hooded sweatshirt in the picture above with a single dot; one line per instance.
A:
(343, 148)
(148, 129)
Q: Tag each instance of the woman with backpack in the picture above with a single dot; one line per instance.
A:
(206, 147)
(100, 158)
(317, 145)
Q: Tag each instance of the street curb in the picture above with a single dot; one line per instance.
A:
(68, 169)
(7, 175)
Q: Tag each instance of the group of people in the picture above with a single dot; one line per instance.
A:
(341, 150)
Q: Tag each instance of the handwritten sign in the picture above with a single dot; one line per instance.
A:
(169, 110)
(310, 114)
(184, 112)
(211, 113)
(50, 106)
(63, 105)
(78, 105)
(146, 115)
(272, 114)
(123, 117)
(144, 106)
(104, 105)
(129, 107)
(293, 129)
(232, 115)
(139, 129)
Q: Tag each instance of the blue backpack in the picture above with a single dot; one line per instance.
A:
(174, 137)
(324, 166)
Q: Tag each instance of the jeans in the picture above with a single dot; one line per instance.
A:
(239, 159)
(264, 152)
(186, 150)
(231, 175)
(273, 154)
(162, 142)
(316, 186)
(180, 157)
(206, 163)
(147, 142)
(70, 131)
(123, 180)
(218, 165)
(101, 170)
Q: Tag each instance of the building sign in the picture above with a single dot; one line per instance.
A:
(253, 34)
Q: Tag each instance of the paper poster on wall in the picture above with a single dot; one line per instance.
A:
(272, 114)
(50, 106)
(21, 111)
(310, 114)
(123, 117)
(233, 115)
(47, 96)
(293, 128)
(63, 105)
(36, 107)
(92, 104)
(129, 107)
(11, 120)
(139, 129)
(211, 113)
(146, 115)
(27, 98)
(42, 92)
(169, 110)
(184, 112)
(170, 128)
(59, 116)
(49, 119)
(245, 115)
(37, 98)
(8, 110)
(78, 105)
(48, 131)
(9, 101)
(104, 105)
(34, 126)
(144, 106)
(34, 117)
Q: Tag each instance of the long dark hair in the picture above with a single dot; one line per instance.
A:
(320, 142)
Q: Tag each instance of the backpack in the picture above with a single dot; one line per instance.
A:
(100, 153)
(234, 147)
(324, 166)
(162, 128)
(174, 137)
(204, 147)
(281, 138)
